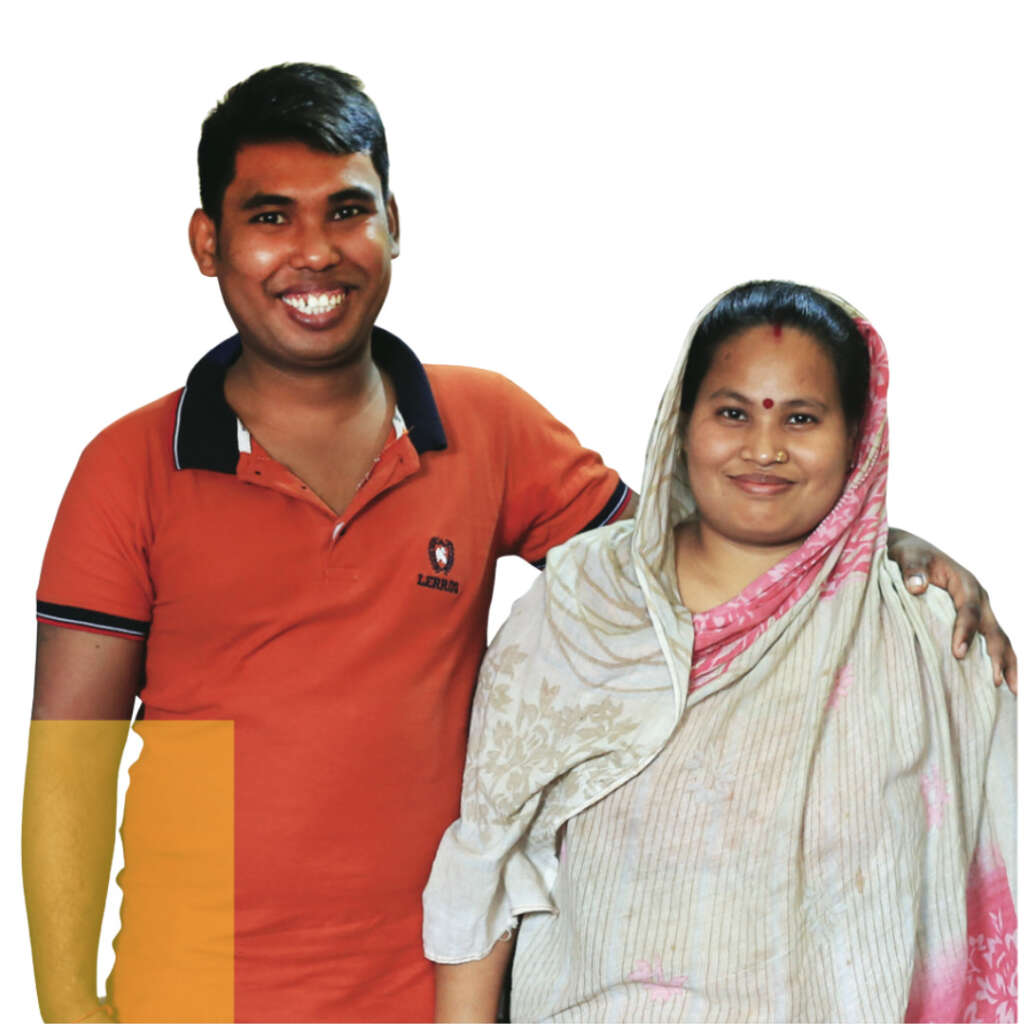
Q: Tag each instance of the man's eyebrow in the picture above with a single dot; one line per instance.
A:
(355, 192)
(258, 199)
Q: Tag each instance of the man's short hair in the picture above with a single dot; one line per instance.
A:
(320, 106)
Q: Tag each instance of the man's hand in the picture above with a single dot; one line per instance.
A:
(922, 564)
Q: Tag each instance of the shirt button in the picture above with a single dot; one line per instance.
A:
(339, 529)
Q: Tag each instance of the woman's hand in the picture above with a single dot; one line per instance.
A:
(922, 564)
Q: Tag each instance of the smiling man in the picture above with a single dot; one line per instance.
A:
(289, 561)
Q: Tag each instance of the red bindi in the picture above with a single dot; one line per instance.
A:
(768, 403)
(777, 330)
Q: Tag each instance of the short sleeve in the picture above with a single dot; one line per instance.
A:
(554, 487)
(95, 571)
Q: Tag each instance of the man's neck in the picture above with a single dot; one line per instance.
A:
(327, 426)
(296, 398)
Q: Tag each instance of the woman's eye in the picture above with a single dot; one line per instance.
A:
(802, 419)
(732, 413)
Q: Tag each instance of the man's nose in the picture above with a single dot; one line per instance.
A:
(314, 248)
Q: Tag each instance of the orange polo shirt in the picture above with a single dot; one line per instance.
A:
(308, 678)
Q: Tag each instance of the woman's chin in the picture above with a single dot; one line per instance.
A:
(763, 537)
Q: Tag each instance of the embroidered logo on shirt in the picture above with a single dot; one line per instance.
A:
(441, 553)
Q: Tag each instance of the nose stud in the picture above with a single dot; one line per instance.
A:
(767, 458)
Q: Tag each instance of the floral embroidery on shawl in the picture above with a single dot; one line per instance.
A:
(935, 794)
(977, 982)
(991, 943)
(652, 976)
(844, 680)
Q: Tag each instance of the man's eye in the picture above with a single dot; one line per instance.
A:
(268, 217)
(346, 212)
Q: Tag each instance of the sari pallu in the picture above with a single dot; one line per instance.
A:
(796, 806)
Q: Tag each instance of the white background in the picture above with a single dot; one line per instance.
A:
(575, 181)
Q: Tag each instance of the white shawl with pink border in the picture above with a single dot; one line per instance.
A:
(909, 752)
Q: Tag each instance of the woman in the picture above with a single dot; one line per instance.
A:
(720, 765)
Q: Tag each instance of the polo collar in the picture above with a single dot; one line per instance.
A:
(206, 427)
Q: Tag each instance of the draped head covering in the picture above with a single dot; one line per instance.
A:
(877, 773)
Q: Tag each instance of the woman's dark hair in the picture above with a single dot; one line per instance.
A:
(315, 104)
(783, 304)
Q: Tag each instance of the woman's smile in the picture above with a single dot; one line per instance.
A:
(761, 485)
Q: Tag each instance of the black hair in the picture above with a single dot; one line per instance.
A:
(783, 304)
(317, 105)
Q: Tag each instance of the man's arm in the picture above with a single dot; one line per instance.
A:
(629, 509)
(922, 564)
(84, 695)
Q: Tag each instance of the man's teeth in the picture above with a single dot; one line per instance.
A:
(314, 302)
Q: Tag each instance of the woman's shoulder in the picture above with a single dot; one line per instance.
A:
(932, 615)
(605, 550)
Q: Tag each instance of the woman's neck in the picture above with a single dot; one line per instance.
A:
(711, 569)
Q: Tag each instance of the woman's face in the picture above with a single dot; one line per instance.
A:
(767, 445)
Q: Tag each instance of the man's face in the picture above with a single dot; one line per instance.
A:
(302, 254)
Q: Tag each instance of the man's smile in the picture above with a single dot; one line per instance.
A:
(316, 309)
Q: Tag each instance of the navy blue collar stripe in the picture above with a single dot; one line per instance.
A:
(206, 432)
(205, 429)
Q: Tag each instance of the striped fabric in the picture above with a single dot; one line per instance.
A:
(797, 806)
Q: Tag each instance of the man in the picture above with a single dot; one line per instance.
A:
(290, 561)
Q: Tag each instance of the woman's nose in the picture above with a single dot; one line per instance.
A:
(764, 445)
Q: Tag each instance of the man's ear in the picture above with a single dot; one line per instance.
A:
(202, 239)
(393, 226)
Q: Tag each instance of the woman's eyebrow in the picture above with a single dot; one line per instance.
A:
(789, 403)
(813, 402)
(729, 393)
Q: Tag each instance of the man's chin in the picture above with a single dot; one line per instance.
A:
(307, 351)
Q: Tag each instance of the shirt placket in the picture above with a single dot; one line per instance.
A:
(398, 460)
